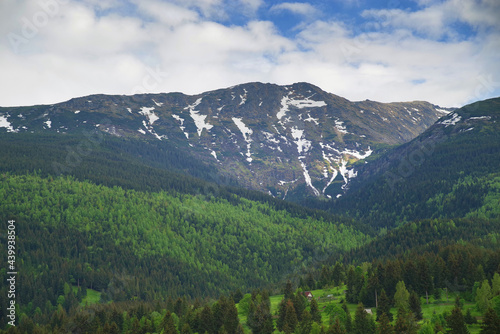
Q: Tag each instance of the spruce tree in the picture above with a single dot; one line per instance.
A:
(415, 306)
(315, 313)
(362, 323)
(384, 325)
(348, 319)
(167, 324)
(336, 328)
(491, 322)
(288, 293)
(290, 321)
(456, 322)
(384, 306)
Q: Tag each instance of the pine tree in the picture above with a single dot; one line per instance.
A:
(280, 322)
(186, 329)
(495, 285)
(207, 321)
(405, 322)
(315, 313)
(300, 304)
(483, 295)
(456, 322)
(362, 323)
(469, 319)
(415, 306)
(401, 297)
(348, 319)
(384, 306)
(384, 326)
(288, 293)
(491, 322)
(167, 324)
(305, 326)
(290, 321)
(261, 321)
(336, 328)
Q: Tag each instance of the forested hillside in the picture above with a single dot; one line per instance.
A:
(151, 245)
(449, 171)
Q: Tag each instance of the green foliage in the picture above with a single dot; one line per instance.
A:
(483, 296)
(192, 245)
(402, 296)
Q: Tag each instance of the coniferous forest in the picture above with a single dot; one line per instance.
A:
(142, 238)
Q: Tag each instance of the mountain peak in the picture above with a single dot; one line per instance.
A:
(287, 140)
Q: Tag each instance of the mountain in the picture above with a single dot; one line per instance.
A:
(450, 170)
(288, 141)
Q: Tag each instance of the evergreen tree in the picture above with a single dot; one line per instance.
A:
(280, 322)
(405, 322)
(402, 296)
(310, 282)
(336, 328)
(384, 326)
(168, 325)
(300, 304)
(186, 329)
(305, 326)
(291, 320)
(362, 323)
(415, 306)
(495, 285)
(491, 322)
(261, 321)
(469, 319)
(288, 293)
(483, 295)
(456, 322)
(348, 319)
(207, 321)
(315, 313)
(384, 306)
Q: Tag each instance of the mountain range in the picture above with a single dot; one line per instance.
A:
(129, 202)
(291, 142)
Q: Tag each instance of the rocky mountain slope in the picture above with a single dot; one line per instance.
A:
(288, 141)
(451, 170)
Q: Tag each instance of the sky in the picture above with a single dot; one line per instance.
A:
(445, 52)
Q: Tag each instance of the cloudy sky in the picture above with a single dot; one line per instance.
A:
(446, 52)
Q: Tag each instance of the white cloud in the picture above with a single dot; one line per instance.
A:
(400, 55)
(301, 8)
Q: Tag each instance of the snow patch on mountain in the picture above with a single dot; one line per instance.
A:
(48, 123)
(307, 103)
(340, 126)
(442, 111)
(182, 127)
(148, 112)
(334, 175)
(284, 107)
(246, 135)
(480, 117)
(243, 97)
(199, 120)
(303, 145)
(4, 123)
(307, 177)
(451, 121)
(310, 119)
(357, 154)
(157, 103)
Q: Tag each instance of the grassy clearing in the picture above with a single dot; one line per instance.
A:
(336, 295)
